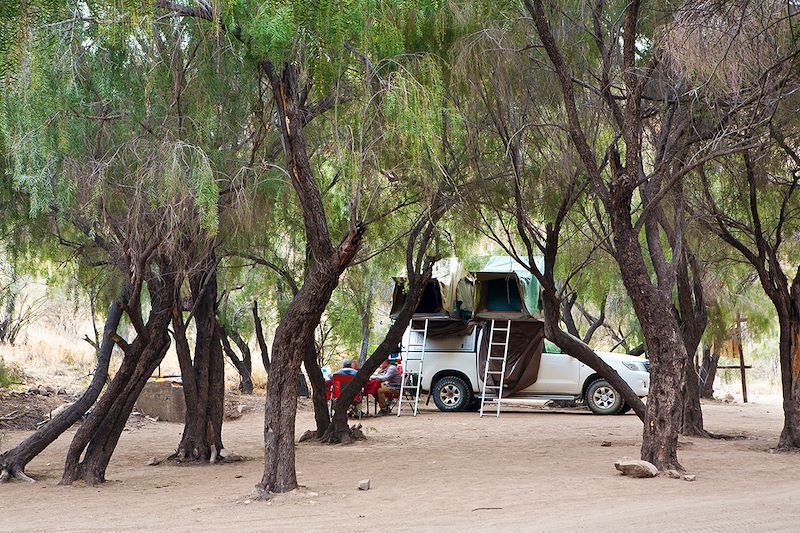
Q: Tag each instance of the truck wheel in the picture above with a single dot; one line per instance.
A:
(603, 399)
(451, 393)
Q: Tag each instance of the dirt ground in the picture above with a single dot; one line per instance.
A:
(529, 470)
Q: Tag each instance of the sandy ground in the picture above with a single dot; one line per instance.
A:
(529, 470)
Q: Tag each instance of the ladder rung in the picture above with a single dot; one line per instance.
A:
(500, 329)
(494, 371)
(491, 387)
(496, 358)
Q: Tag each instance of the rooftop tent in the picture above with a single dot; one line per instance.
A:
(505, 288)
(447, 294)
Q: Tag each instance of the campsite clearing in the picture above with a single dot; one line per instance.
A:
(530, 470)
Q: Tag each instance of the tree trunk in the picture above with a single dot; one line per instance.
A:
(789, 321)
(665, 347)
(296, 330)
(366, 323)
(13, 462)
(244, 366)
(302, 385)
(99, 434)
(692, 424)
(693, 317)
(708, 371)
(204, 389)
(664, 403)
(262, 344)
(322, 416)
(292, 338)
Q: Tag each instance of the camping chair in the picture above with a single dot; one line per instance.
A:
(339, 380)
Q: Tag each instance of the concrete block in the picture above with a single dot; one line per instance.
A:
(163, 399)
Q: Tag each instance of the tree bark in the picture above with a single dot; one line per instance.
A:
(14, 461)
(203, 377)
(292, 338)
(262, 344)
(366, 323)
(789, 321)
(244, 366)
(693, 320)
(665, 348)
(98, 435)
(296, 330)
(322, 416)
(708, 371)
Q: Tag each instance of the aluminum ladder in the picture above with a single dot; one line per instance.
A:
(506, 331)
(412, 379)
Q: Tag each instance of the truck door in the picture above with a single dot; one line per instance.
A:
(558, 373)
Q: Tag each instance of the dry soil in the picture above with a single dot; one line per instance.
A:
(529, 470)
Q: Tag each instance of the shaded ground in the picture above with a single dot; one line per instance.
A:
(23, 410)
(531, 470)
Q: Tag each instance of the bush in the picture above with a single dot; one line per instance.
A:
(8, 375)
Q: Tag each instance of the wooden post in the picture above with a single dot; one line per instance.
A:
(741, 357)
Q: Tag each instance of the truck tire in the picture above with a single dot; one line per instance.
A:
(451, 394)
(625, 409)
(603, 399)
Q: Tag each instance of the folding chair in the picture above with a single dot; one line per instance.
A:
(339, 380)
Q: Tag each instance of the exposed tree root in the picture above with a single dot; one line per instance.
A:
(785, 449)
(10, 473)
(346, 436)
(176, 458)
(705, 434)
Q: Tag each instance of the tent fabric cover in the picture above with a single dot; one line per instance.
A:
(524, 353)
(451, 283)
(493, 296)
(449, 328)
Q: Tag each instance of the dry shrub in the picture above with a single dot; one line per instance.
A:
(259, 380)
(726, 45)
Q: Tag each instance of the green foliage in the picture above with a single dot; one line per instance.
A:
(8, 375)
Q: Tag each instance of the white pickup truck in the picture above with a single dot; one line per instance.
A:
(450, 373)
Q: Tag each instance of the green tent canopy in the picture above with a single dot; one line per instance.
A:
(506, 289)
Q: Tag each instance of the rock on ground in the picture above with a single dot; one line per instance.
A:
(636, 468)
(363, 484)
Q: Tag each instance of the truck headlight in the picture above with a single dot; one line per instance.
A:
(636, 367)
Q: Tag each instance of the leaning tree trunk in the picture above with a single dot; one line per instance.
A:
(338, 430)
(789, 321)
(97, 437)
(13, 462)
(580, 350)
(203, 377)
(419, 272)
